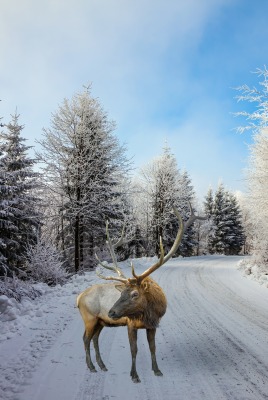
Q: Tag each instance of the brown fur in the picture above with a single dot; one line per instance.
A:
(157, 303)
(151, 307)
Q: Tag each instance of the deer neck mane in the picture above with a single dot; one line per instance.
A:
(156, 305)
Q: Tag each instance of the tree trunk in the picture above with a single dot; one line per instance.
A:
(91, 248)
(76, 244)
(81, 242)
(62, 232)
(77, 229)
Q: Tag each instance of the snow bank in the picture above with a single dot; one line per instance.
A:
(14, 314)
(12, 307)
(253, 271)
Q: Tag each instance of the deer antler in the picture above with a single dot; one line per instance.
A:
(137, 279)
(192, 218)
(121, 277)
(121, 240)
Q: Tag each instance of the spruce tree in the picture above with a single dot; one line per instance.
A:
(219, 216)
(5, 217)
(235, 237)
(18, 217)
(186, 195)
(228, 235)
(209, 212)
(209, 203)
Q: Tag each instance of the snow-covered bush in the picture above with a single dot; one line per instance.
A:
(45, 264)
(256, 272)
(17, 289)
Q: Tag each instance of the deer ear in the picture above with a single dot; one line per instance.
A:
(120, 287)
(146, 286)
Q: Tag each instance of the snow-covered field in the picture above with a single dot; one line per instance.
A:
(211, 344)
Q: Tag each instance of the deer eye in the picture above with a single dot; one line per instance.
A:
(134, 294)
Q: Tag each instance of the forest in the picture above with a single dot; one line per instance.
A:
(54, 207)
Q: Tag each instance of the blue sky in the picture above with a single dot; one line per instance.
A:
(163, 70)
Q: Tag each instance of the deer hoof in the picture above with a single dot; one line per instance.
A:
(134, 375)
(91, 368)
(136, 380)
(158, 373)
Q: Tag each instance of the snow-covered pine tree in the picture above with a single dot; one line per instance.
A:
(234, 238)
(227, 231)
(209, 203)
(247, 224)
(220, 215)
(19, 219)
(5, 214)
(84, 166)
(208, 227)
(186, 195)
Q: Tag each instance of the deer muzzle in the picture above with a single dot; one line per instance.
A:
(112, 314)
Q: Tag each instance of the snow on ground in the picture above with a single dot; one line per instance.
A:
(252, 271)
(211, 344)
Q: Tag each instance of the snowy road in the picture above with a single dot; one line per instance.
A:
(211, 344)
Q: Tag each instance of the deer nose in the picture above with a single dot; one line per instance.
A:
(112, 314)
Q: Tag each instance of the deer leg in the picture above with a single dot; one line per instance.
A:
(132, 335)
(96, 346)
(88, 335)
(151, 341)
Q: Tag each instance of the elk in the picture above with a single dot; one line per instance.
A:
(141, 305)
